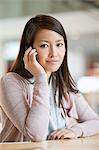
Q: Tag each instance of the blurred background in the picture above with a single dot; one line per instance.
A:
(80, 19)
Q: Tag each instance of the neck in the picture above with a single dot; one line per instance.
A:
(48, 74)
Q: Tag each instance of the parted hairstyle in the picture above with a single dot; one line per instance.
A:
(61, 79)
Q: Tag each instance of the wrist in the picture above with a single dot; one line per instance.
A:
(41, 78)
(77, 131)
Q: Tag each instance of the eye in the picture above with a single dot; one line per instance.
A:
(59, 44)
(44, 46)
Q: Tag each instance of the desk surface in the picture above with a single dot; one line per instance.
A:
(89, 143)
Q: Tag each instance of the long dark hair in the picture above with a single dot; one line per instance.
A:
(61, 79)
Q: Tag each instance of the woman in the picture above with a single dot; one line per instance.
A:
(39, 99)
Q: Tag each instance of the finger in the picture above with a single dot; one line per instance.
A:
(54, 132)
(58, 131)
(25, 58)
(69, 135)
(54, 135)
(28, 50)
(60, 135)
(32, 55)
(27, 55)
(49, 137)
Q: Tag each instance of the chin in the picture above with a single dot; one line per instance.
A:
(52, 69)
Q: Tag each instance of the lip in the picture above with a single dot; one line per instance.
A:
(52, 61)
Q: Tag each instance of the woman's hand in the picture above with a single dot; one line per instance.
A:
(62, 134)
(31, 64)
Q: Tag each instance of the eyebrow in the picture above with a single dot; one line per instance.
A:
(48, 41)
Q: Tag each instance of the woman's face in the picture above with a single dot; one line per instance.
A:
(50, 47)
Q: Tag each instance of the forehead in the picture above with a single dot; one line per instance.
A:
(49, 35)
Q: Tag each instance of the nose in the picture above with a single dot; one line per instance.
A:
(53, 51)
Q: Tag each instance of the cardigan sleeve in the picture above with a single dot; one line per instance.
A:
(38, 118)
(88, 119)
(31, 122)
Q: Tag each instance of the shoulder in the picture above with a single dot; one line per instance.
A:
(11, 76)
(12, 79)
(76, 96)
(79, 100)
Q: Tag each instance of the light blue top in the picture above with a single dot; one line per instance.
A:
(56, 119)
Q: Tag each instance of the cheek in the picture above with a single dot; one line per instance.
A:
(62, 54)
(39, 55)
(42, 55)
(41, 59)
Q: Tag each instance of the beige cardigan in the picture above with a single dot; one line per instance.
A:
(25, 110)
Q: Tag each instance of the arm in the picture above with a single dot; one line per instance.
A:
(88, 119)
(88, 122)
(38, 117)
(31, 122)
